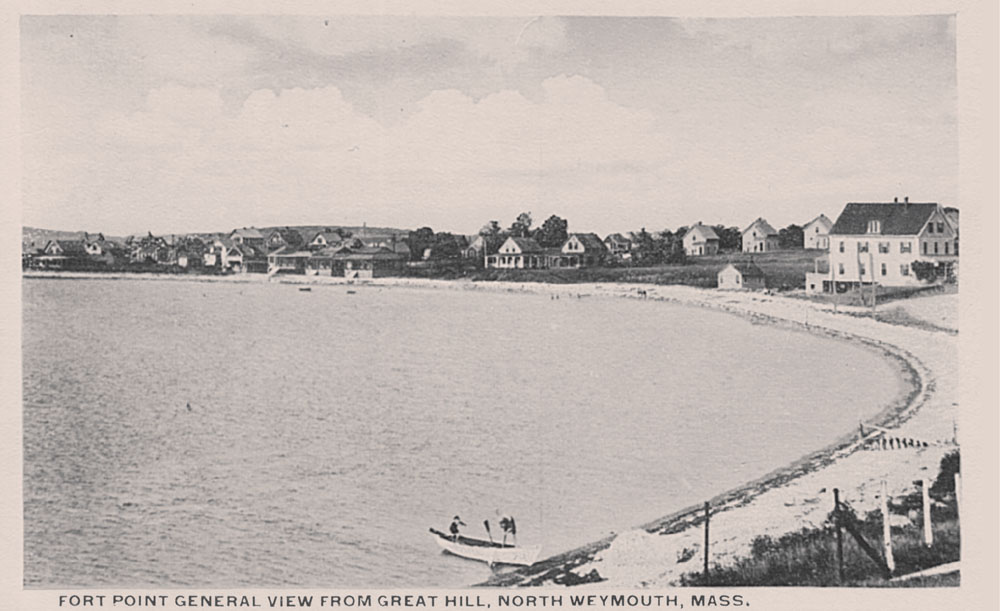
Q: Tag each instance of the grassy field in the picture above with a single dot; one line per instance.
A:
(784, 270)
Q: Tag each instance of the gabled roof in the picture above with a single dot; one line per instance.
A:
(328, 236)
(748, 269)
(247, 233)
(526, 244)
(822, 219)
(72, 248)
(617, 237)
(894, 218)
(763, 226)
(705, 232)
(590, 241)
(366, 253)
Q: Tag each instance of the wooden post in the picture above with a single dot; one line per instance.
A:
(886, 529)
(958, 498)
(840, 536)
(706, 540)
(928, 533)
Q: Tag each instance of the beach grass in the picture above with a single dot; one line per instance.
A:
(808, 557)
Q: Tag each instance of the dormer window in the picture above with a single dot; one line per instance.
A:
(874, 227)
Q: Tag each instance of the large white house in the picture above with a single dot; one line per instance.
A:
(760, 237)
(879, 242)
(816, 233)
(700, 240)
(518, 253)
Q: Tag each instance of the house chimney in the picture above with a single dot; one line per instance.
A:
(895, 200)
(906, 199)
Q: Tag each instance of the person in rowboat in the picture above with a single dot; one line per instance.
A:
(508, 526)
(453, 529)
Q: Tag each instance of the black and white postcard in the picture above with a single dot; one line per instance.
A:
(325, 306)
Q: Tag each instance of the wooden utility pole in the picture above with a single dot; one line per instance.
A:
(887, 529)
(928, 533)
(706, 540)
(840, 536)
(958, 498)
(871, 264)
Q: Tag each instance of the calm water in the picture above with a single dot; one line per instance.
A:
(328, 431)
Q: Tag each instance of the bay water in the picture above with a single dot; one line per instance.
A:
(197, 434)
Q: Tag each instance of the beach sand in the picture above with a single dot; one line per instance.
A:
(787, 500)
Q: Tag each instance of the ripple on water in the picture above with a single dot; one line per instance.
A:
(327, 432)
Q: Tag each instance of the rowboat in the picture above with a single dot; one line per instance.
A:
(487, 551)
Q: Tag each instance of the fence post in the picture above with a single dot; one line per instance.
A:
(887, 529)
(928, 533)
(706, 540)
(840, 536)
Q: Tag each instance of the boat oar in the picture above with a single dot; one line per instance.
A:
(486, 523)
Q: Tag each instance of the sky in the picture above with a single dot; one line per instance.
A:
(173, 124)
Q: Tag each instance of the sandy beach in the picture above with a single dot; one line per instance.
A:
(786, 500)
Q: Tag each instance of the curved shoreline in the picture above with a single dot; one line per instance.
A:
(603, 557)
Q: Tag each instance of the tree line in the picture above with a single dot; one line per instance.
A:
(664, 246)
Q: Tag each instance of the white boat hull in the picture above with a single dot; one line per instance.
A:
(519, 556)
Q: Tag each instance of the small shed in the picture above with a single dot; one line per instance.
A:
(741, 276)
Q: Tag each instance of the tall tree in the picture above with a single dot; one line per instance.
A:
(730, 238)
(521, 228)
(553, 232)
(446, 246)
(420, 240)
(791, 237)
(493, 235)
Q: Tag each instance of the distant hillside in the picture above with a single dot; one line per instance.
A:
(34, 237)
(38, 238)
(356, 231)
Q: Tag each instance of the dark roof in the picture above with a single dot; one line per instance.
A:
(706, 232)
(366, 253)
(895, 218)
(72, 247)
(821, 217)
(748, 269)
(527, 244)
(590, 241)
(765, 227)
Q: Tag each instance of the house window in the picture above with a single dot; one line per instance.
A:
(935, 248)
(945, 248)
(874, 227)
(883, 269)
(905, 247)
(883, 247)
(840, 269)
(940, 227)
(841, 246)
(930, 227)
(862, 246)
(925, 248)
(956, 247)
(904, 268)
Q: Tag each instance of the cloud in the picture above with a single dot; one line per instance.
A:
(506, 42)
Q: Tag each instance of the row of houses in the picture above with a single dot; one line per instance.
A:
(579, 250)
(869, 243)
(244, 250)
(874, 243)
